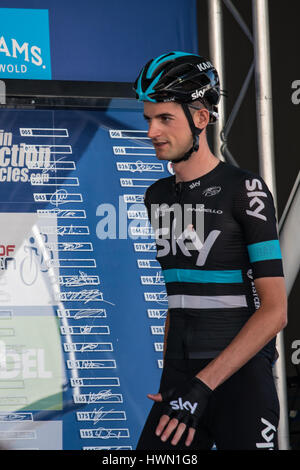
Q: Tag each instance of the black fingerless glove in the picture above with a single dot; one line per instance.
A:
(188, 402)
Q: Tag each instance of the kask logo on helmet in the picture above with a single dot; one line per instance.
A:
(204, 66)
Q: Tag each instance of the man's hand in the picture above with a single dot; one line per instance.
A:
(184, 408)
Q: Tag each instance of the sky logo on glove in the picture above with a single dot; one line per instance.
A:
(179, 405)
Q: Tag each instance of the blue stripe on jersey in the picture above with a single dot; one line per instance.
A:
(263, 251)
(193, 275)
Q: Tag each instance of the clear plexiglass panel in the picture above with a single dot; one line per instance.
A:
(82, 298)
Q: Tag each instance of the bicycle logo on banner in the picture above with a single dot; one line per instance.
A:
(34, 261)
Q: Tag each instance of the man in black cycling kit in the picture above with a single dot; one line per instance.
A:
(217, 243)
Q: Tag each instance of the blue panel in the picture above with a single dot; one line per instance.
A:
(78, 257)
(108, 41)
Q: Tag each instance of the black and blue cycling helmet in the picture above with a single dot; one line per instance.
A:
(183, 78)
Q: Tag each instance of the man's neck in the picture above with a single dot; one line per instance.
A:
(197, 165)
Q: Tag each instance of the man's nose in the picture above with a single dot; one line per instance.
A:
(153, 130)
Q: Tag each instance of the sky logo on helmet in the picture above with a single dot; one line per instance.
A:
(25, 44)
(198, 94)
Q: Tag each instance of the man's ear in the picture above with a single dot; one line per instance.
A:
(201, 118)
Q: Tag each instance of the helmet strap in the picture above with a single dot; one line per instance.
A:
(195, 133)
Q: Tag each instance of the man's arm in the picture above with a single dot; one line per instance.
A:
(167, 323)
(262, 326)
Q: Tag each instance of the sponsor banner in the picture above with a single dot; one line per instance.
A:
(78, 274)
(25, 44)
(32, 368)
(29, 35)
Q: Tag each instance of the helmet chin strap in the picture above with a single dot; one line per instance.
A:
(195, 132)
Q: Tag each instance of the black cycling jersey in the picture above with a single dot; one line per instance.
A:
(214, 236)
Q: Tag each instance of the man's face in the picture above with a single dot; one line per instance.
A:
(169, 129)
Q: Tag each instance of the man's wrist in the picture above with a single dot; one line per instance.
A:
(206, 379)
(203, 385)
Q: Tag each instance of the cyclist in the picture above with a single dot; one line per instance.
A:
(224, 276)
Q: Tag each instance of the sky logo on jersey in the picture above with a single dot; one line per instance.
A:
(267, 435)
(255, 193)
(25, 44)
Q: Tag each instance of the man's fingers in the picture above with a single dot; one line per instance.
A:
(190, 436)
(155, 396)
(169, 429)
(177, 436)
(162, 424)
(166, 426)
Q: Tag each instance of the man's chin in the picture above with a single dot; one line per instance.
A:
(162, 156)
(176, 159)
(170, 158)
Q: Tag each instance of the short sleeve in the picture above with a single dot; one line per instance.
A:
(147, 203)
(254, 210)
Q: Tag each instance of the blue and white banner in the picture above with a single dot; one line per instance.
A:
(82, 298)
(24, 44)
(91, 41)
